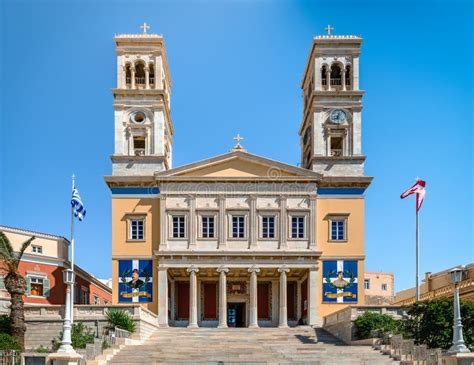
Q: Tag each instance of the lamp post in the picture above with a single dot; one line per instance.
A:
(458, 340)
(66, 348)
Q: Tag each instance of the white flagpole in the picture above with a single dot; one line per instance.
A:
(72, 251)
(417, 291)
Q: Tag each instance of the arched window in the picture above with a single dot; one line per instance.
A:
(140, 74)
(152, 76)
(348, 77)
(336, 75)
(324, 72)
(128, 75)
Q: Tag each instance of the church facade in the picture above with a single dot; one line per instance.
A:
(238, 240)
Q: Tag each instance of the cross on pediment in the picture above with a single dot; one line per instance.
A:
(145, 27)
(238, 138)
(329, 29)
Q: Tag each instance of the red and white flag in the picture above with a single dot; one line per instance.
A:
(419, 190)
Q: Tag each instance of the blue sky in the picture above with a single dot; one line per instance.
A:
(236, 67)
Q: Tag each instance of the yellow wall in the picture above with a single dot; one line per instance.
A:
(122, 248)
(352, 249)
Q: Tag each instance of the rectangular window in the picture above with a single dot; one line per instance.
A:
(179, 226)
(366, 283)
(238, 226)
(96, 299)
(139, 146)
(384, 287)
(297, 227)
(336, 146)
(37, 249)
(36, 286)
(84, 296)
(338, 231)
(268, 227)
(137, 231)
(208, 227)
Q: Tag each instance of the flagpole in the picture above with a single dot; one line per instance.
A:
(417, 291)
(72, 251)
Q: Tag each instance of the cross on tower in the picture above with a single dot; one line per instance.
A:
(329, 29)
(145, 27)
(238, 138)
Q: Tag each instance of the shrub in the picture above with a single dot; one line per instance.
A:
(431, 322)
(372, 324)
(81, 335)
(5, 324)
(8, 342)
(43, 350)
(118, 318)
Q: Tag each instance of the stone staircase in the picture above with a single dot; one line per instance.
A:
(299, 345)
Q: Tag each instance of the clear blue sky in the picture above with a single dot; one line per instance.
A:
(236, 66)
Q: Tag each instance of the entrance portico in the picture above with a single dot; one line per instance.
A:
(228, 290)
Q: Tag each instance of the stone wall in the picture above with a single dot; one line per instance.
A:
(341, 323)
(43, 323)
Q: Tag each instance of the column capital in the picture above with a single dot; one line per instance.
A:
(283, 269)
(222, 269)
(192, 269)
(253, 269)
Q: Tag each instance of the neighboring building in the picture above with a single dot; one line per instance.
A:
(439, 285)
(42, 266)
(238, 239)
(378, 288)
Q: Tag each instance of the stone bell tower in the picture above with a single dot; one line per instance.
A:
(330, 133)
(143, 125)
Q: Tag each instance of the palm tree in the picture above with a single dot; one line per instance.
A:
(16, 285)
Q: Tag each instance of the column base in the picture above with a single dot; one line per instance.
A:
(193, 326)
(253, 325)
(64, 358)
(222, 326)
(163, 325)
(283, 326)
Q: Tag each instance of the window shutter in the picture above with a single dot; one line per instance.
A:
(28, 286)
(46, 288)
(2, 283)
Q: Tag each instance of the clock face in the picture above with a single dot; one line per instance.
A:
(338, 116)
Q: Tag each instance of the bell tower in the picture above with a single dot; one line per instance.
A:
(330, 133)
(143, 125)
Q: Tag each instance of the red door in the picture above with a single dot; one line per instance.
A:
(263, 301)
(182, 306)
(291, 299)
(210, 300)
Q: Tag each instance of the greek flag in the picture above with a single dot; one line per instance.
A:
(78, 207)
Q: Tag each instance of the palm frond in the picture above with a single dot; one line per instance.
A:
(24, 246)
(6, 248)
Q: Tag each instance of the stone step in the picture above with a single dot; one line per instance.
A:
(300, 345)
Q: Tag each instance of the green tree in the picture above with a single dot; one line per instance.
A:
(431, 322)
(372, 324)
(16, 286)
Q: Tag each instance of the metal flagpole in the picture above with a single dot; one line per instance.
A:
(417, 292)
(72, 250)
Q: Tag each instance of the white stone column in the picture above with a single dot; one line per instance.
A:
(284, 223)
(283, 318)
(222, 296)
(328, 78)
(312, 297)
(147, 78)
(162, 296)
(163, 223)
(312, 222)
(355, 73)
(253, 320)
(192, 222)
(132, 75)
(343, 79)
(221, 221)
(253, 221)
(192, 297)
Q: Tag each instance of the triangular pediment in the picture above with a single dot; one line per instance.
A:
(238, 164)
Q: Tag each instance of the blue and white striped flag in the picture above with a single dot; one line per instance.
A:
(78, 207)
